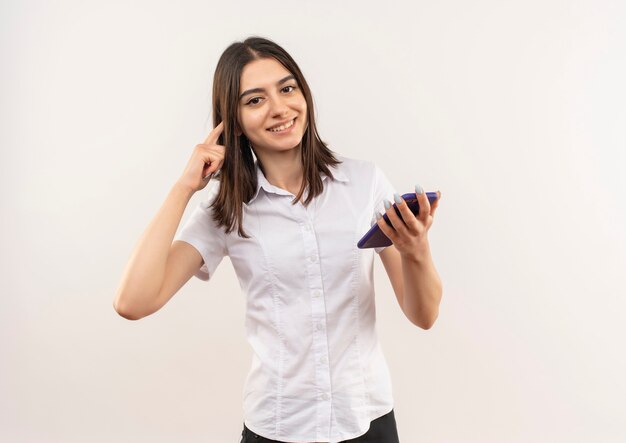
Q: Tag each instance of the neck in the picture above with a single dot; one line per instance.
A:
(282, 169)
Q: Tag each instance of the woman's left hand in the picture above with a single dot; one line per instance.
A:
(409, 234)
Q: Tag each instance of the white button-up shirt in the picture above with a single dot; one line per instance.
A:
(318, 372)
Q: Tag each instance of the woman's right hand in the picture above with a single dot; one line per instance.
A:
(206, 159)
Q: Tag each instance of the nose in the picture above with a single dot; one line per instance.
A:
(279, 106)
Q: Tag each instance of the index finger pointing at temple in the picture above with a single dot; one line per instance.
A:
(214, 134)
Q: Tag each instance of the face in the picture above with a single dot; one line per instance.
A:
(270, 97)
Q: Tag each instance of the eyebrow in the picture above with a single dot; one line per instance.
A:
(279, 82)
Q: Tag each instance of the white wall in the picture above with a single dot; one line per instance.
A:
(515, 110)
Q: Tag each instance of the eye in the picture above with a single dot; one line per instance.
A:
(253, 102)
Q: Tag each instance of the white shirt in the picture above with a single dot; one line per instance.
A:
(318, 372)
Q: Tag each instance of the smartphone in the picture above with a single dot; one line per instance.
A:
(375, 238)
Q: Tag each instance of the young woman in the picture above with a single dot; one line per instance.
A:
(318, 372)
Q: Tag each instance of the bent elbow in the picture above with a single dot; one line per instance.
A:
(425, 323)
(126, 313)
(427, 326)
(431, 322)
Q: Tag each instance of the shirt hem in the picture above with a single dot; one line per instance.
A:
(308, 438)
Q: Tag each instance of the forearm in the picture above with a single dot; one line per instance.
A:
(144, 272)
(422, 288)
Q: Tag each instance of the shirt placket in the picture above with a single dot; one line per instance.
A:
(319, 326)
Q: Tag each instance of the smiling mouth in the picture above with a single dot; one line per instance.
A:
(284, 127)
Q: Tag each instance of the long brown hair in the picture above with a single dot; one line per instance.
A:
(238, 179)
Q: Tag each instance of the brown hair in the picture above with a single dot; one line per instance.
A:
(238, 178)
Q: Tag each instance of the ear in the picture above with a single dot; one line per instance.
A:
(237, 130)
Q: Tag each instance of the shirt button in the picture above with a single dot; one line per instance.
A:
(307, 228)
(324, 359)
(316, 293)
(325, 396)
(319, 327)
(313, 258)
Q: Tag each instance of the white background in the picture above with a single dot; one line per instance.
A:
(515, 110)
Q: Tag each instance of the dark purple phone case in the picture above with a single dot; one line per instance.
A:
(375, 238)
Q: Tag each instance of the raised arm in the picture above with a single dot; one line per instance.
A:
(157, 267)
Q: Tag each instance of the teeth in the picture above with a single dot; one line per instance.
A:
(282, 127)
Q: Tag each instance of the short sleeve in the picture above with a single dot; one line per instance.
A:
(202, 232)
(383, 189)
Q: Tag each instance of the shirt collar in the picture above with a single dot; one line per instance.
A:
(268, 187)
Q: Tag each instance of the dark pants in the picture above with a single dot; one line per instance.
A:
(382, 430)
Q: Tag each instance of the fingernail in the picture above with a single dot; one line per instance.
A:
(397, 197)
(419, 190)
(387, 204)
(378, 216)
